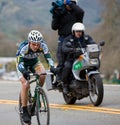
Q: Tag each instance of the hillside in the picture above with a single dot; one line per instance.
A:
(18, 17)
(109, 31)
(15, 14)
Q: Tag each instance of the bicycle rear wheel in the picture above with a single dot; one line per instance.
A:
(42, 108)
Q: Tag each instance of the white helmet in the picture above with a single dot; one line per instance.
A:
(78, 27)
(35, 36)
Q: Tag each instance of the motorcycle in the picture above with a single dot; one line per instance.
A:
(85, 79)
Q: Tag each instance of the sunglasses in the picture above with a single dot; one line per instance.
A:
(78, 31)
(35, 44)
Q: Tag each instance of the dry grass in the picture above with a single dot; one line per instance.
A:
(110, 32)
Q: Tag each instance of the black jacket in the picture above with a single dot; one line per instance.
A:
(75, 44)
(64, 22)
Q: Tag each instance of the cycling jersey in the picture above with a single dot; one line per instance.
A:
(28, 58)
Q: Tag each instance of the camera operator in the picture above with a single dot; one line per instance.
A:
(64, 16)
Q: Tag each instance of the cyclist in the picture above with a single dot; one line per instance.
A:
(78, 39)
(27, 58)
(62, 20)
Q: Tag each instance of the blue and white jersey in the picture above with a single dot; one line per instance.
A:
(26, 57)
(26, 52)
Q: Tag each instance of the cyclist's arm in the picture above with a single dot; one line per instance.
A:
(49, 59)
(20, 57)
(20, 65)
(47, 54)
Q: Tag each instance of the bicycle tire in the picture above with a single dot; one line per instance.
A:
(42, 108)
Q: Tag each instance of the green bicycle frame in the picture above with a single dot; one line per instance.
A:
(37, 90)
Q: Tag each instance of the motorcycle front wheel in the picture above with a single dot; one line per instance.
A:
(96, 91)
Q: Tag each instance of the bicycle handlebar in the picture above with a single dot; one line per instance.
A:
(35, 74)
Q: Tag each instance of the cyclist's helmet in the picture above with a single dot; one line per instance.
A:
(78, 27)
(35, 36)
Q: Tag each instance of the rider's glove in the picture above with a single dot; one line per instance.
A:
(26, 75)
(58, 12)
(77, 52)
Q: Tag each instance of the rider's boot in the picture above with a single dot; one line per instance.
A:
(54, 85)
(26, 116)
(57, 82)
(58, 77)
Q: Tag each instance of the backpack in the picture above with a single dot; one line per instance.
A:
(20, 46)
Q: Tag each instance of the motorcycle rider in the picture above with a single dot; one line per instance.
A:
(70, 47)
(27, 59)
(62, 20)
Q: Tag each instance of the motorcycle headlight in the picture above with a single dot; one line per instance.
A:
(94, 61)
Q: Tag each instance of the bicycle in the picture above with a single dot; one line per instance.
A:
(38, 104)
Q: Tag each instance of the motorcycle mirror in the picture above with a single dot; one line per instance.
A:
(102, 43)
(68, 44)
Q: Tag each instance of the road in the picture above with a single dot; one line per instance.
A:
(82, 113)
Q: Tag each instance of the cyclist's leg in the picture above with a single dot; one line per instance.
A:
(24, 88)
(24, 91)
(24, 96)
(39, 68)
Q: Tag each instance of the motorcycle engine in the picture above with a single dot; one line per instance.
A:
(79, 88)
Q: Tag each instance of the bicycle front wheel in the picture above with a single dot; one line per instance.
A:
(42, 108)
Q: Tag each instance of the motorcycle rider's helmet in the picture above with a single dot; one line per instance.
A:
(78, 27)
(35, 36)
(70, 1)
(74, 1)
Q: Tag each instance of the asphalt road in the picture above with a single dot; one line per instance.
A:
(82, 113)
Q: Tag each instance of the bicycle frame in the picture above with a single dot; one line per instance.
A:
(38, 104)
(38, 87)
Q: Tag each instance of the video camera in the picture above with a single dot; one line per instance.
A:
(58, 4)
